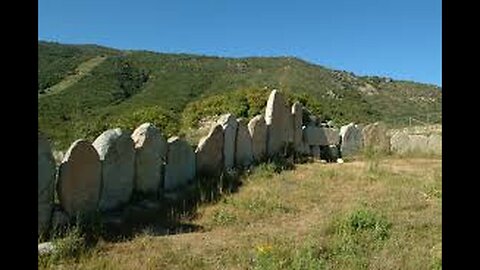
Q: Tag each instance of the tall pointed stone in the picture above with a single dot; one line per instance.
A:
(297, 114)
(352, 140)
(180, 168)
(46, 183)
(209, 152)
(150, 156)
(243, 148)
(257, 129)
(229, 125)
(278, 120)
(79, 179)
(116, 150)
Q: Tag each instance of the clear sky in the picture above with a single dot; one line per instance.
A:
(401, 39)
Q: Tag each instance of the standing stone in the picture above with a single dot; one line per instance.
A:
(117, 153)
(297, 114)
(243, 153)
(418, 143)
(180, 168)
(352, 140)
(304, 149)
(333, 153)
(321, 136)
(289, 127)
(400, 142)
(277, 119)
(331, 136)
(434, 144)
(150, 156)
(60, 219)
(257, 128)
(58, 157)
(313, 120)
(209, 152)
(46, 248)
(79, 179)
(375, 137)
(315, 150)
(229, 125)
(311, 135)
(46, 184)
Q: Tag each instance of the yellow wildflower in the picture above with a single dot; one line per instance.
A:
(264, 249)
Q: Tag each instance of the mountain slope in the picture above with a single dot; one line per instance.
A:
(56, 61)
(175, 91)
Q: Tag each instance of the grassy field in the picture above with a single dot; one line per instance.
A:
(363, 214)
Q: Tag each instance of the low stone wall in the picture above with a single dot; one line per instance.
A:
(404, 142)
(376, 138)
(105, 175)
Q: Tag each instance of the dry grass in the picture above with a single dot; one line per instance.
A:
(318, 216)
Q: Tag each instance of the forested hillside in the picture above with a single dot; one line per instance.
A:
(175, 91)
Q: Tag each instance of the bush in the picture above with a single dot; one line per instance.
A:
(129, 77)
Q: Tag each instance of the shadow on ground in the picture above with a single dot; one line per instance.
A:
(169, 213)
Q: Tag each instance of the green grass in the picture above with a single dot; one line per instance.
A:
(351, 241)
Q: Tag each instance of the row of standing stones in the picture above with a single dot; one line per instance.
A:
(103, 175)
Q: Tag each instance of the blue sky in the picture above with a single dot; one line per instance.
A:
(401, 39)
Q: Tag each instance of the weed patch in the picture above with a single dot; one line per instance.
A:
(224, 217)
(355, 236)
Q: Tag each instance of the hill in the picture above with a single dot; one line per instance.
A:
(176, 91)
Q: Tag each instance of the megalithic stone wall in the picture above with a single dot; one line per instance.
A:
(116, 150)
(229, 124)
(375, 137)
(297, 115)
(352, 140)
(257, 128)
(180, 169)
(402, 143)
(277, 118)
(434, 144)
(315, 150)
(79, 179)
(289, 131)
(46, 183)
(243, 145)
(105, 174)
(150, 156)
(321, 136)
(209, 152)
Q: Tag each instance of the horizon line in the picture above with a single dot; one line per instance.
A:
(239, 57)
